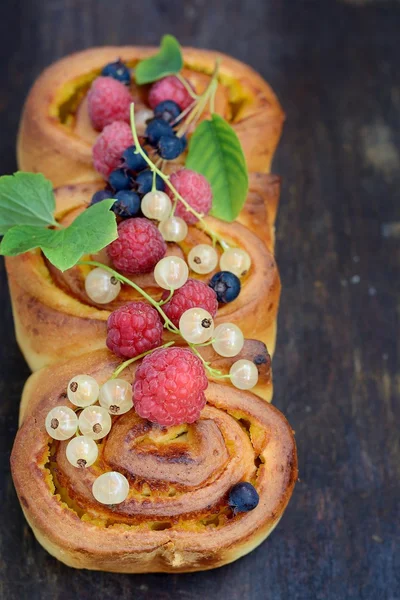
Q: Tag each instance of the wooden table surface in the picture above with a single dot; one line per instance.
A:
(335, 68)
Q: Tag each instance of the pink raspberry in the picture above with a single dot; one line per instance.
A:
(134, 328)
(169, 88)
(138, 248)
(195, 189)
(169, 386)
(192, 294)
(109, 146)
(109, 100)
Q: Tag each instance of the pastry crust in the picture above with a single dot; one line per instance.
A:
(175, 519)
(49, 144)
(54, 319)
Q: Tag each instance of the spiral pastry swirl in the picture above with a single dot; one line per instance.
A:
(176, 517)
(55, 136)
(55, 319)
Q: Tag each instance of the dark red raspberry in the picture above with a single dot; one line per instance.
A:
(169, 88)
(109, 146)
(109, 100)
(138, 248)
(169, 387)
(192, 294)
(195, 189)
(134, 328)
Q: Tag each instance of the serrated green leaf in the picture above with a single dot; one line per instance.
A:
(167, 61)
(91, 231)
(216, 153)
(26, 199)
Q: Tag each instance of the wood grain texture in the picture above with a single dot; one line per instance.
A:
(335, 68)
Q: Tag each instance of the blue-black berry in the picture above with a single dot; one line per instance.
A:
(170, 147)
(127, 204)
(100, 195)
(168, 110)
(117, 70)
(157, 128)
(243, 497)
(144, 182)
(120, 180)
(226, 285)
(132, 161)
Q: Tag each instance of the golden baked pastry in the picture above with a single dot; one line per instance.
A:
(176, 517)
(55, 319)
(56, 138)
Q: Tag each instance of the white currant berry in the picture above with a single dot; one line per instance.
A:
(235, 260)
(94, 422)
(141, 117)
(83, 390)
(116, 396)
(203, 259)
(196, 325)
(228, 339)
(101, 286)
(156, 205)
(173, 229)
(171, 273)
(244, 374)
(110, 488)
(82, 451)
(61, 423)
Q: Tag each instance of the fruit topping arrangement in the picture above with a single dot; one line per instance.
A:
(142, 209)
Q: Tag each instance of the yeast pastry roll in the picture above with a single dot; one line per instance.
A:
(176, 517)
(55, 319)
(56, 137)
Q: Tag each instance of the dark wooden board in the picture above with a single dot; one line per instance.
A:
(335, 67)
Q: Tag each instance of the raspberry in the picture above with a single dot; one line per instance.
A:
(134, 328)
(109, 100)
(195, 189)
(192, 294)
(169, 386)
(138, 248)
(109, 146)
(169, 88)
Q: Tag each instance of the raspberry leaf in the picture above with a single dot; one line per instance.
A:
(215, 152)
(91, 231)
(167, 61)
(25, 199)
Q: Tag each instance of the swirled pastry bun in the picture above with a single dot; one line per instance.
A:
(55, 136)
(176, 517)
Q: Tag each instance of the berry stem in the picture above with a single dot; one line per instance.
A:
(213, 372)
(167, 299)
(123, 279)
(128, 362)
(214, 236)
(187, 86)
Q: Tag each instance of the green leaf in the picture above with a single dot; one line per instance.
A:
(91, 231)
(167, 61)
(216, 153)
(25, 199)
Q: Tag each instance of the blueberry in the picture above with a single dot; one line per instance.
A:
(226, 285)
(144, 182)
(170, 147)
(120, 180)
(119, 71)
(99, 196)
(155, 129)
(132, 161)
(168, 110)
(243, 497)
(127, 204)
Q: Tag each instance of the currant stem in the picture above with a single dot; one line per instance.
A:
(167, 299)
(128, 362)
(123, 279)
(213, 372)
(187, 86)
(165, 178)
